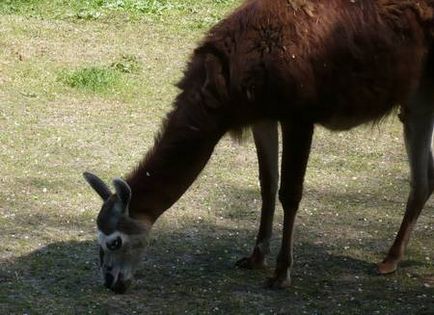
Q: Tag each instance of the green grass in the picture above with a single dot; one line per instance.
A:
(102, 78)
(98, 6)
(93, 78)
(127, 64)
(106, 9)
(83, 86)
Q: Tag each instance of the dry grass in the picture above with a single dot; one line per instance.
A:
(49, 133)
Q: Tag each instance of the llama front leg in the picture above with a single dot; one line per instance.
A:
(418, 122)
(297, 140)
(267, 147)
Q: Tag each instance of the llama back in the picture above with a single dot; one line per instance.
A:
(338, 63)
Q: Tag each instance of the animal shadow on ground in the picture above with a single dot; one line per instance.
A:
(193, 271)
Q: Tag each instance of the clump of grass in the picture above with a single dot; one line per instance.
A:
(7, 7)
(92, 78)
(87, 10)
(153, 6)
(127, 64)
(88, 14)
(222, 1)
(101, 78)
(96, 9)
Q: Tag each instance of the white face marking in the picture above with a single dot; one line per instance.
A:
(104, 239)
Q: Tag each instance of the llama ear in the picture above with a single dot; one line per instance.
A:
(215, 82)
(123, 191)
(98, 185)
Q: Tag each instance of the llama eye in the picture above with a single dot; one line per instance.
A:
(115, 244)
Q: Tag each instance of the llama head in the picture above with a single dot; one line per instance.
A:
(121, 239)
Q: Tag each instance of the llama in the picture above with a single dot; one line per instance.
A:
(299, 63)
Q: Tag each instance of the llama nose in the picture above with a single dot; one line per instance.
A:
(108, 280)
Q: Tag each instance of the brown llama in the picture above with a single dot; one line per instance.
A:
(335, 63)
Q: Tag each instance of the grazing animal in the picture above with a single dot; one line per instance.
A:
(335, 63)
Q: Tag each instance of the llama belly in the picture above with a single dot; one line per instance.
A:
(348, 117)
(342, 123)
(348, 98)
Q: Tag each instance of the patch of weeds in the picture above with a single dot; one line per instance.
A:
(114, 4)
(100, 78)
(223, 1)
(92, 78)
(143, 6)
(16, 6)
(8, 7)
(96, 9)
(90, 14)
(155, 6)
(127, 64)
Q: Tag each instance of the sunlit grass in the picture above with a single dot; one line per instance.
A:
(102, 78)
(100, 9)
(93, 78)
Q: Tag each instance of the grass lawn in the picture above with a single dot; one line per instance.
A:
(83, 86)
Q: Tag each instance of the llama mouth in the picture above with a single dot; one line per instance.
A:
(120, 287)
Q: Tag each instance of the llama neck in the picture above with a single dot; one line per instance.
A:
(180, 152)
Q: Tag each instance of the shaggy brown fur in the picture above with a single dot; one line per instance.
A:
(340, 65)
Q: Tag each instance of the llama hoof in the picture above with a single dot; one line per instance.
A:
(250, 263)
(385, 267)
(276, 283)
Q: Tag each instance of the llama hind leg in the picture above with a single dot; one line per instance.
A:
(418, 130)
(266, 140)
